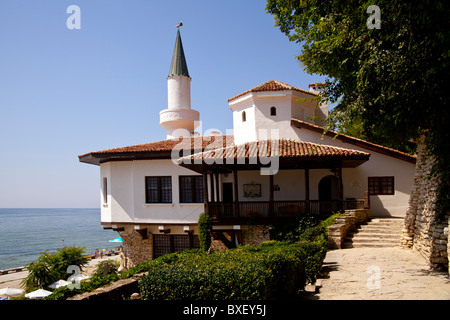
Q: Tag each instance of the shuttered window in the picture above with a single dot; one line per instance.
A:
(158, 189)
(191, 189)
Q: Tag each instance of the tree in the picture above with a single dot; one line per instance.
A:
(52, 266)
(394, 79)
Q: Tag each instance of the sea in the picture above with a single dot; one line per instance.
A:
(26, 233)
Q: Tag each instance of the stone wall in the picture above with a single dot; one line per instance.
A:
(135, 248)
(252, 235)
(447, 230)
(118, 290)
(255, 235)
(344, 224)
(421, 230)
(216, 244)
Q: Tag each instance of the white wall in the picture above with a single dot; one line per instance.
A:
(244, 131)
(259, 120)
(127, 193)
(355, 180)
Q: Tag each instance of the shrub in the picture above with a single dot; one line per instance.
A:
(107, 267)
(52, 266)
(204, 231)
(240, 274)
(292, 231)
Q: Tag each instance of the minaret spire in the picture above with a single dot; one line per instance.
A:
(179, 119)
(178, 66)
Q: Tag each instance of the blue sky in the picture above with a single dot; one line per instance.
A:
(69, 92)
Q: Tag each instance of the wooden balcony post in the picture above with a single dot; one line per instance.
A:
(217, 187)
(211, 176)
(236, 194)
(205, 191)
(307, 190)
(271, 207)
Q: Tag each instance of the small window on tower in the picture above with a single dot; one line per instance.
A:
(105, 190)
(244, 117)
(273, 111)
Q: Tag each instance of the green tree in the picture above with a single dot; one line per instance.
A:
(40, 273)
(52, 266)
(394, 79)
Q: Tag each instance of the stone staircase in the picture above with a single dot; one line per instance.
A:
(378, 232)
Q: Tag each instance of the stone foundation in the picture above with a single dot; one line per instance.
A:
(135, 248)
(216, 244)
(254, 235)
(421, 230)
(249, 235)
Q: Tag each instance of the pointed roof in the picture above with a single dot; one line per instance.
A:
(178, 66)
(272, 85)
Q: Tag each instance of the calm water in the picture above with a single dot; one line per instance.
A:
(25, 233)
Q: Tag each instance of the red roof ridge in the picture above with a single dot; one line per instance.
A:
(272, 85)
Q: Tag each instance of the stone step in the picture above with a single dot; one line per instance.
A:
(384, 224)
(348, 245)
(373, 237)
(377, 229)
(378, 232)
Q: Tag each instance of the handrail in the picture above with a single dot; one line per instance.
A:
(286, 208)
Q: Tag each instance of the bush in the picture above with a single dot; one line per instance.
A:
(294, 229)
(240, 274)
(107, 267)
(52, 266)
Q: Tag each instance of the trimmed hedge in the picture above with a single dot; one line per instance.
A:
(275, 270)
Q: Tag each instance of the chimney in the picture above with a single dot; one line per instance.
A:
(317, 87)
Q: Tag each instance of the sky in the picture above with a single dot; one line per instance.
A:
(66, 92)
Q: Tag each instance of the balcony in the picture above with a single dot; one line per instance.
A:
(268, 212)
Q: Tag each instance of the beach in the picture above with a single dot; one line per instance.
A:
(13, 280)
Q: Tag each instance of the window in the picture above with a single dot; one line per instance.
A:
(381, 185)
(158, 189)
(244, 117)
(164, 244)
(105, 190)
(191, 189)
(273, 111)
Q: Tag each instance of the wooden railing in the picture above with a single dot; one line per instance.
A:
(262, 209)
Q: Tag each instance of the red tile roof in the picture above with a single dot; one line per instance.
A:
(285, 148)
(156, 150)
(355, 141)
(272, 85)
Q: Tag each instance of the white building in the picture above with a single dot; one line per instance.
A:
(277, 165)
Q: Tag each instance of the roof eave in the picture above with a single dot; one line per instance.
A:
(355, 141)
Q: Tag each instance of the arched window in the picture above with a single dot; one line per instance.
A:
(244, 118)
(273, 111)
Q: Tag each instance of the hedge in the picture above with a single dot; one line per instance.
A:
(274, 270)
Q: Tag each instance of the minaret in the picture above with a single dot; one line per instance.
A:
(179, 120)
